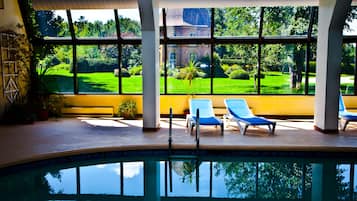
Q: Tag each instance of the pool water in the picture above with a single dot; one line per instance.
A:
(184, 179)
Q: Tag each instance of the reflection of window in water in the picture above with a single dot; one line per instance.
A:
(189, 178)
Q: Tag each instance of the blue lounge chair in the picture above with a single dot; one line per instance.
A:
(345, 115)
(239, 111)
(206, 114)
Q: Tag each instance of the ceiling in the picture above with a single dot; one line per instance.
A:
(126, 4)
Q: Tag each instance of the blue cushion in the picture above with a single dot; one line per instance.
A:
(208, 120)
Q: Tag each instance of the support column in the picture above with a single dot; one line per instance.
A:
(149, 14)
(324, 182)
(151, 181)
(332, 16)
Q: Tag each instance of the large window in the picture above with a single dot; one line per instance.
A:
(97, 69)
(237, 21)
(285, 21)
(348, 68)
(283, 69)
(235, 69)
(129, 23)
(53, 23)
(188, 69)
(243, 50)
(188, 22)
(56, 68)
(131, 69)
(94, 23)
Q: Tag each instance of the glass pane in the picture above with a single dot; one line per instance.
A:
(236, 21)
(56, 70)
(133, 178)
(131, 72)
(162, 70)
(100, 179)
(53, 23)
(235, 69)
(188, 69)
(347, 68)
(343, 181)
(97, 68)
(94, 23)
(129, 20)
(350, 27)
(285, 21)
(283, 69)
(62, 181)
(188, 22)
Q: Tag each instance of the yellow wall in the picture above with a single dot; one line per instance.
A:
(10, 16)
(261, 105)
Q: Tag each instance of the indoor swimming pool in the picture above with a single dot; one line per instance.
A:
(184, 178)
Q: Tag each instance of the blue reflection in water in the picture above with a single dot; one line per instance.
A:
(62, 182)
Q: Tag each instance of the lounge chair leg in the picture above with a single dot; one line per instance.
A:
(191, 127)
(345, 125)
(222, 129)
(245, 129)
(273, 131)
(240, 127)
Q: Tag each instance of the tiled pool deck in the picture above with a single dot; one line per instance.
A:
(71, 136)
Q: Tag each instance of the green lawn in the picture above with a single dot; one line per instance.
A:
(105, 82)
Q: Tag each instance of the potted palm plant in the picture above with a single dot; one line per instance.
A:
(128, 109)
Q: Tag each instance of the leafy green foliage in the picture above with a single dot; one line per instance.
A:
(239, 74)
(136, 70)
(266, 180)
(128, 109)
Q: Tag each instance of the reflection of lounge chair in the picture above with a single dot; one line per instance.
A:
(345, 115)
(206, 114)
(239, 111)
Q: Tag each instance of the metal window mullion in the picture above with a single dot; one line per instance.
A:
(355, 75)
(119, 39)
(121, 178)
(78, 181)
(307, 67)
(74, 51)
(352, 175)
(212, 45)
(165, 49)
(210, 178)
(308, 49)
(261, 21)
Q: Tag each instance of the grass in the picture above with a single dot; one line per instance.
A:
(61, 80)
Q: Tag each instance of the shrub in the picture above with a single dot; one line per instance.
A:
(127, 109)
(239, 74)
(312, 66)
(125, 73)
(230, 61)
(136, 70)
